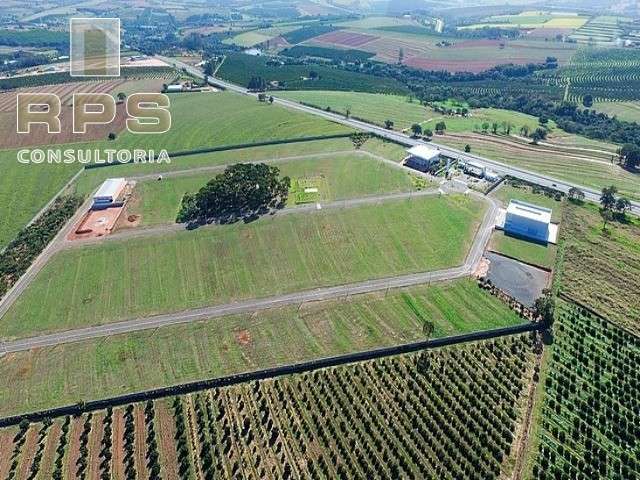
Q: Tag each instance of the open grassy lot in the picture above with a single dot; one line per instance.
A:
(404, 112)
(228, 345)
(602, 270)
(344, 176)
(533, 19)
(123, 279)
(528, 252)
(628, 111)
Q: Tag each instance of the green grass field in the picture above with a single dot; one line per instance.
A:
(627, 111)
(602, 270)
(528, 252)
(338, 177)
(403, 112)
(88, 370)
(124, 279)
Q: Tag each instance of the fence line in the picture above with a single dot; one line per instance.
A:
(273, 372)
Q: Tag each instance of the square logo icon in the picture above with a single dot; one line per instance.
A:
(95, 47)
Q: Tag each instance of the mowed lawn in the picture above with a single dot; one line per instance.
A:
(49, 377)
(343, 176)
(126, 279)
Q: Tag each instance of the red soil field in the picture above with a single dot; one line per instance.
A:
(73, 447)
(6, 449)
(49, 455)
(140, 443)
(28, 451)
(39, 135)
(64, 90)
(166, 431)
(117, 449)
(454, 65)
(94, 445)
(347, 39)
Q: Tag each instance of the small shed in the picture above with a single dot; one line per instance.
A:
(422, 157)
(528, 221)
(174, 88)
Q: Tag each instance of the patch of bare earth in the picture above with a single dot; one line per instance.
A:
(243, 337)
(73, 450)
(95, 445)
(117, 449)
(166, 431)
(6, 449)
(28, 451)
(140, 443)
(49, 454)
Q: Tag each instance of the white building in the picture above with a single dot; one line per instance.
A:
(174, 88)
(422, 157)
(110, 193)
(528, 221)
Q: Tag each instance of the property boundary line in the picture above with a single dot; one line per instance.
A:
(273, 372)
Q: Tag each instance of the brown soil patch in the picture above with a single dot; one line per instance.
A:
(347, 39)
(473, 66)
(96, 223)
(49, 454)
(28, 451)
(117, 449)
(94, 444)
(73, 449)
(243, 337)
(166, 431)
(6, 449)
(140, 443)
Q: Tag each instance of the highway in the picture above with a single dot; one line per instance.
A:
(498, 167)
(253, 305)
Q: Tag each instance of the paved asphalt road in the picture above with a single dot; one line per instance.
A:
(473, 258)
(500, 168)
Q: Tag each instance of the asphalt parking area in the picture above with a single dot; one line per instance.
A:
(519, 280)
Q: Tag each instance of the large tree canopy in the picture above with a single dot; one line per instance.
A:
(243, 190)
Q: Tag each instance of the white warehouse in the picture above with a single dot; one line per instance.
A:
(528, 221)
(110, 193)
(422, 157)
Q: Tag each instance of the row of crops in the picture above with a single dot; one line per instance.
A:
(605, 74)
(591, 413)
(448, 414)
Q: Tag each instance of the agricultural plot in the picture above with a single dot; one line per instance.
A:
(422, 50)
(589, 420)
(602, 30)
(315, 425)
(233, 344)
(239, 68)
(314, 179)
(602, 270)
(254, 37)
(533, 20)
(280, 254)
(627, 111)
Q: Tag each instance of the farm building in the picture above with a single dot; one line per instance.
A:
(110, 193)
(422, 157)
(528, 221)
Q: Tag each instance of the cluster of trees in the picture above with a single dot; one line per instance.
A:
(629, 155)
(242, 191)
(129, 442)
(82, 462)
(257, 84)
(153, 457)
(20, 253)
(184, 465)
(61, 449)
(612, 206)
(107, 442)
